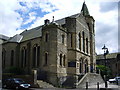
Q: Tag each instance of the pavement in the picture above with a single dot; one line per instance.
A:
(111, 86)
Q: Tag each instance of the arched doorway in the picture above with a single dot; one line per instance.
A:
(86, 66)
(83, 68)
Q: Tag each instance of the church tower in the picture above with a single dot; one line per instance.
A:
(90, 23)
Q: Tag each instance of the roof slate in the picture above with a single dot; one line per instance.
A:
(109, 56)
(16, 38)
(32, 33)
(36, 32)
(3, 37)
(62, 21)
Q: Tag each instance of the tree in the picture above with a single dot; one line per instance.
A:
(104, 71)
(14, 70)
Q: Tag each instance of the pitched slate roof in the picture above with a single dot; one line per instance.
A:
(32, 33)
(3, 37)
(16, 38)
(109, 56)
(62, 21)
(37, 32)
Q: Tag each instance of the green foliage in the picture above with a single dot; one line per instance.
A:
(104, 70)
(14, 70)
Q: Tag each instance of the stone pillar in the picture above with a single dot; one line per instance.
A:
(88, 68)
(76, 81)
(99, 72)
(35, 76)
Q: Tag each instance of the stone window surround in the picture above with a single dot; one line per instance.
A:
(46, 59)
(3, 57)
(12, 58)
(83, 66)
(62, 62)
(84, 41)
(63, 38)
(36, 55)
(23, 56)
(46, 37)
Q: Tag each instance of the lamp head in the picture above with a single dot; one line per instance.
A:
(104, 47)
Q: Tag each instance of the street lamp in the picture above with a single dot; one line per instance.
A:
(105, 53)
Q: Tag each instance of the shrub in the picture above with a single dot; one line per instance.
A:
(14, 70)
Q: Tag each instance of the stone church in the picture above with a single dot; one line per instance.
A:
(57, 50)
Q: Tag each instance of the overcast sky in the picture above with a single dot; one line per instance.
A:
(18, 15)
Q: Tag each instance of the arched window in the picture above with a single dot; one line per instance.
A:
(79, 41)
(85, 68)
(93, 28)
(36, 55)
(83, 35)
(12, 58)
(46, 37)
(46, 58)
(60, 59)
(86, 45)
(63, 37)
(64, 60)
(23, 57)
(71, 37)
(3, 58)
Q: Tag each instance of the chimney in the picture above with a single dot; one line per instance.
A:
(46, 22)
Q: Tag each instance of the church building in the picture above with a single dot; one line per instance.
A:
(57, 50)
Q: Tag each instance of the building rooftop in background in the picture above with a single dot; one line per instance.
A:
(110, 55)
(3, 37)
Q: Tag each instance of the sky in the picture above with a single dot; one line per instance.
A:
(18, 15)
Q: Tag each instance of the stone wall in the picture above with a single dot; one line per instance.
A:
(8, 47)
(0, 66)
(91, 78)
(58, 44)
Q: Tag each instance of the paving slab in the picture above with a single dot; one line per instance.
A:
(111, 86)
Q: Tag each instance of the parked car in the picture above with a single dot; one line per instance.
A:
(114, 80)
(15, 83)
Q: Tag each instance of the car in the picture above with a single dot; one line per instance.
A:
(114, 80)
(15, 83)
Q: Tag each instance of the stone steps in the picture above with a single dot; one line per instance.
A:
(43, 84)
(91, 78)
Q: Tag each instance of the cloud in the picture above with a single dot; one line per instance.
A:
(108, 6)
(9, 19)
(25, 14)
(106, 28)
(32, 16)
(107, 35)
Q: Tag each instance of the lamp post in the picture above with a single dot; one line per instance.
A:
(105, 53)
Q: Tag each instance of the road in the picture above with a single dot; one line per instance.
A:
(111, 86)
